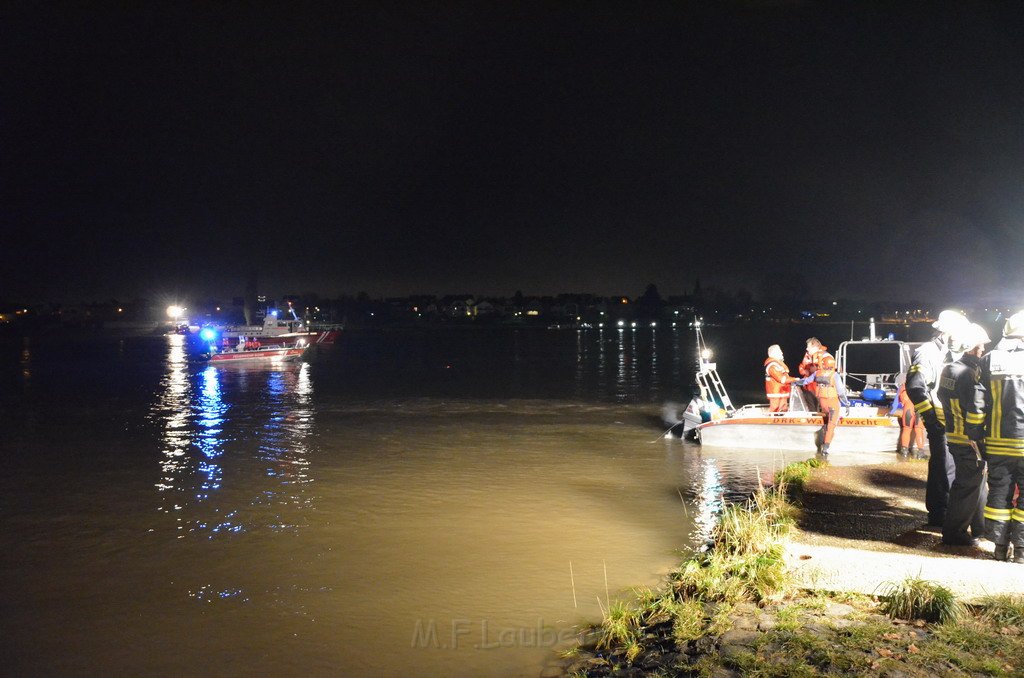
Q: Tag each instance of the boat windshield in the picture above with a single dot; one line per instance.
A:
(873, 364)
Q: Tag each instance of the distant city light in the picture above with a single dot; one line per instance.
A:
(622, 323)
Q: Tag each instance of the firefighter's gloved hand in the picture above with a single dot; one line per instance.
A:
(804, 381)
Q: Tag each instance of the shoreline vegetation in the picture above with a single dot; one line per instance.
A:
(733, 609)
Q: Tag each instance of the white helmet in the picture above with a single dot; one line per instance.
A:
(967, 337)
(950, 321)
(1014, 326)
(775, 351)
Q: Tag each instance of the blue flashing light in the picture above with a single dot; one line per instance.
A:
(208, 334)
(273, 313)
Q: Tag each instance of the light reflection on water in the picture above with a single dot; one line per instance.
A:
(200, 438)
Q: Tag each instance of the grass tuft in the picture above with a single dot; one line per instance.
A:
(1005, 610)
(688, 623)
(916, 598)
(620, 626)
(793, 478)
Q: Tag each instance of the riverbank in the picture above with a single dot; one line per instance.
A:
(829, 571)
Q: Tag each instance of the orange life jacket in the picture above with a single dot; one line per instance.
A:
(776, 378)
(825, 374)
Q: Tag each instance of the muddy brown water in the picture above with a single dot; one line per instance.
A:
(403, 503)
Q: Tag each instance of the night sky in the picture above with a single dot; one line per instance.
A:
(852, 149)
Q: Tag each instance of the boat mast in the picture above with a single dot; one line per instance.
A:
(711, 387)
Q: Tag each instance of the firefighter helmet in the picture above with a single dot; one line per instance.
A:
(775, 351)
(1014, 326)
(968, 337)
(950, 321)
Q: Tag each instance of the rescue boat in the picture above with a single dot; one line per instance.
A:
(869, 369)
(280, 331)
(262, 354)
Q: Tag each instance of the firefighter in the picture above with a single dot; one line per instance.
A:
(1002, 378)
(821, 372)
(963, 404)
(777, 382)
(922, 376)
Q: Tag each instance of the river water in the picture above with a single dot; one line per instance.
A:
(443, 502)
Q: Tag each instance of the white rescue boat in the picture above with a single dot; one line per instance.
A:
(872, 366)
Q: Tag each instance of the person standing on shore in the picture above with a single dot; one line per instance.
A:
(911, 428)
(963, 402)
(777, 382)
(1002, 378)
(922, 376)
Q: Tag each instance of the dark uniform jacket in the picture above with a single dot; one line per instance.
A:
(963, 400)
(1002, 378)
(923, 377)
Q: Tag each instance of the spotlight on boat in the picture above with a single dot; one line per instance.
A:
(175, 312)
(706, 354)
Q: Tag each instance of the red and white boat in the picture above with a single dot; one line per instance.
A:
(280, 332)
(262, 354)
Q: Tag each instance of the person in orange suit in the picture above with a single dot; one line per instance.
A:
(911, 426)
(777, 380)
(806, 369)
(821, 371)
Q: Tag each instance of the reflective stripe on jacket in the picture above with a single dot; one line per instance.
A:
(923, 375)
(963, 400)
(1002, 380)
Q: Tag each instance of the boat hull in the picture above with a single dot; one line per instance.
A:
(258, 356)
(799, 433)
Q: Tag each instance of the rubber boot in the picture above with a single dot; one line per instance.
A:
(1018, 555)
(1001, 552)
(904, 452)
(824, 450)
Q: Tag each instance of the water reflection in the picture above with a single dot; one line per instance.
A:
(25, 363)
(234, 445)
(626, 364)
(210, 419)
(708, 490)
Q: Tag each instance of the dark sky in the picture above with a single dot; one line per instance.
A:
(876, 151)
